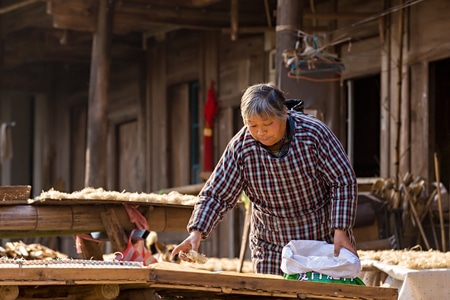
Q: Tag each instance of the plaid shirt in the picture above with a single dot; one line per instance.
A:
(302, 195)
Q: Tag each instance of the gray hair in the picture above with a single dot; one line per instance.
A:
(264, 99)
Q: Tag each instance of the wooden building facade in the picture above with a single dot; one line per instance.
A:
(124, 83)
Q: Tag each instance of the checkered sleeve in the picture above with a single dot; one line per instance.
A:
(337, 171)
(221, 191)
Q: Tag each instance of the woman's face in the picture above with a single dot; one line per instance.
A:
(266, 130)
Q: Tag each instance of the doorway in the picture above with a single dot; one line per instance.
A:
(440, 116)
(363, 96)
(183, 135)
(17, 114)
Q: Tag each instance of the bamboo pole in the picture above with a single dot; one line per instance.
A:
(191, 189)
(438, 188)
(416, 216)
(433, 229)
(47, 220)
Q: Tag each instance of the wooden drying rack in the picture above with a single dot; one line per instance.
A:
(21, 217)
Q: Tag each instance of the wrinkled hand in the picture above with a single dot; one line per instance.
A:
(192, 242)
(341, 240)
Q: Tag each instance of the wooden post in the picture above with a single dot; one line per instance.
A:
(98, 97)
(245, 235)
(91, 249)
(114, 230)
(289, 21)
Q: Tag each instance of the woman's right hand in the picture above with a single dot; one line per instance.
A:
(192, 242)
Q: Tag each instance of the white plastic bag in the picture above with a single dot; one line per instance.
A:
(301, 256)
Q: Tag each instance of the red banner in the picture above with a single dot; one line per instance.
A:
(210, 110)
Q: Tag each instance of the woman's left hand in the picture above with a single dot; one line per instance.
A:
(341, 240)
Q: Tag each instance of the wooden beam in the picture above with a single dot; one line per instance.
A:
(41, 44)
(15, 6)
(80, 15)
(338, 16)
(184, 3)
(114, 230)
(172, 16)
(253, 30)
(74, 15)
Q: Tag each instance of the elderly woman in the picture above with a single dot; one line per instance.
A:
(296, 174)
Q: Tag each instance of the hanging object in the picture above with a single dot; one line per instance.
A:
(309, 61)
(210, 110)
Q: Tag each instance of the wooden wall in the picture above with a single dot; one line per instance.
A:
(172, 63)
(375, 49)
(427, 43)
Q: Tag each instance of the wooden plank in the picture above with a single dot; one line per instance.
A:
(11, 193)
(179, 135)
(127, 167)
(62, 276)
(184, 51)
(165, 279)
(167, 276)
(78, 130)
(158, 123)
(34, 45)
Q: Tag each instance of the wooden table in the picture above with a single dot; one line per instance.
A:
(167, 281)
